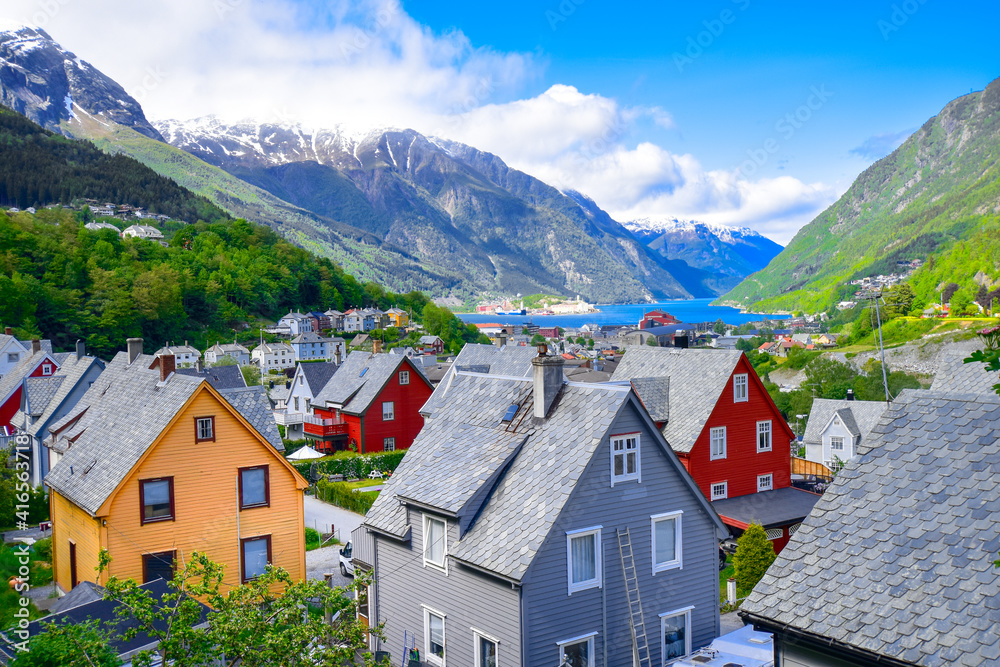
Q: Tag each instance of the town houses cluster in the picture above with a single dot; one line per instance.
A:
(558, 503)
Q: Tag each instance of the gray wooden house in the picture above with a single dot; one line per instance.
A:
(523, 515)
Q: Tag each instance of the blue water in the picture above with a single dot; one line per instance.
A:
(692, 310)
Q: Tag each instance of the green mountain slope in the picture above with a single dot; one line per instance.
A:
(361, 254)
(940, 186)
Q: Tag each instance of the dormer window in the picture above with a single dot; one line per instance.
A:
(46, 369)
(740, 383)
(624, 458)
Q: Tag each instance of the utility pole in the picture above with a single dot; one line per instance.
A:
(881, 348)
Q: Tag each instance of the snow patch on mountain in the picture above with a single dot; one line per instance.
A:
(666, 225)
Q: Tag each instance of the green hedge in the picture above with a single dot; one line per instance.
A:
(343, 495)
(350, 465)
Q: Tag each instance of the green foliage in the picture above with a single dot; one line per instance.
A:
(343, 495)
(15, 490)
(68, 645)
(754, 554)
(312, 539)
(798, 357)
(350, 464)
(719, 327)
(537, 339)
(652, 342)
(38, 559)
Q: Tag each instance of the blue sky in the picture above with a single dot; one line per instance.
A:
(736, 112)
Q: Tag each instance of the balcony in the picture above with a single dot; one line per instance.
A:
(323, 428)
(285, 418)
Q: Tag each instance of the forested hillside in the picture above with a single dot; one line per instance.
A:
(64, 282)
(38, 168)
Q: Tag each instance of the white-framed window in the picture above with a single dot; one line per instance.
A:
(435, 541)
(764, 436)
(577, 652)
(46, 369)
(404, 377)
(624, 457)
(720, 490)
(765, 482)
(717, 436)
(388, 444)
(388, 411)
(486, 649)
(583, 559)
(434, 637)
(666, 532)
(675, 634)
(740, 385)
(12, 357)
(837, 443)
(774, 533)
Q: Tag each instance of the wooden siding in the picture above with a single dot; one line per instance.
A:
(551, 614)
(468, 599)
(408, 400)
(743, 463)
(807, 467)
(10, 407)
(206, 498)
(69, 522)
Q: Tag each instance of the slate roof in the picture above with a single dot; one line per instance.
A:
(309, 337)
(359, 381)
(507, 361)
(655, 396)
(697, 379)
(317, 375)
(897, 556)
(860, 417)
(220, 377)
(270, 348)
(228, 348)
(954, 375)
(252, 403)
(517, 514)
(178, 350)
(768, 508)
(13, 378)
(123, 412)
(279, 393)
(41, 391)
(45, 343)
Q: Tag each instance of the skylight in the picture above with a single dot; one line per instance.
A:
(363, 371)
(511, 411)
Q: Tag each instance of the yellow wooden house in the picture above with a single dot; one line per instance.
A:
(154, 465)
(398, 318)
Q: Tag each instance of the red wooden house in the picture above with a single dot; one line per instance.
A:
(372, 402)
(657, 318)
(722, 424)
(39, 364)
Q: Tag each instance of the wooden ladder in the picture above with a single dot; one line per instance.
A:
(640, 645)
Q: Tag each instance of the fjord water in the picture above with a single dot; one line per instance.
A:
(691, 310)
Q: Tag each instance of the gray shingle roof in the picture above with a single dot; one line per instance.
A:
(124, 411)
(954, 375)
(220, 377)
(12, 380)
(697, 379)
(359, 380)
(517, 515)
(655, 395)
(768, 508)
(40, 392)
(252, 403)
(897, 556)
(860, 417)
(317, 375)
(507, 361)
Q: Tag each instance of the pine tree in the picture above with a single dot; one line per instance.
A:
(754, 554)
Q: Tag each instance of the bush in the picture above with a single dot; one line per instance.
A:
(754, 554)
(343, 495)
(312, 539)
(351, 465)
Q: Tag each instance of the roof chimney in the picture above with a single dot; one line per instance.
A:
(547, 375)
(8, 331)
(167, 363)
(288, 384)
(681, 341)
(850, 394)
(36, 345)
(198, 365)
(134, 348)
(501, 339)
(81, 350)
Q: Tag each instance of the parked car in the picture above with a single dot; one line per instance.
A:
(346, 562)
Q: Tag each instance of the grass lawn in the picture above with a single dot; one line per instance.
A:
(364, 483)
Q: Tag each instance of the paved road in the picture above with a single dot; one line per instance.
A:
(327, 518)
(731, 622)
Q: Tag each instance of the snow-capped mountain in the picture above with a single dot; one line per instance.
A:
(726, 254)
(41, 80)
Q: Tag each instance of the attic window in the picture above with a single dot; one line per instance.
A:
(511, 411)
(46, 369)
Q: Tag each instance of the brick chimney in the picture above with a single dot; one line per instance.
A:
(36, 345)
(547, 376)
(8, 331)
(134, 348)
(167, 363)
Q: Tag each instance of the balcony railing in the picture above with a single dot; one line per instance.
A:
(285, 418)
(323, 428)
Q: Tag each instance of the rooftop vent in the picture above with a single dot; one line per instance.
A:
(511, 411)
(363, 371)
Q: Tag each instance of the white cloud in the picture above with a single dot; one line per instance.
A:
(581, 142)
(366, 63)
